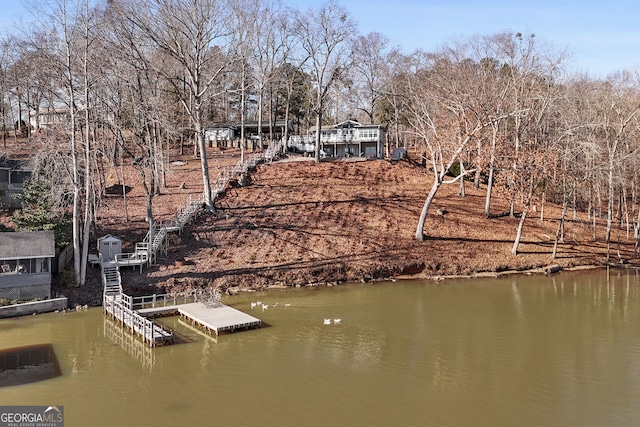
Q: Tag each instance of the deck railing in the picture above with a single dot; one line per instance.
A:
(160, 300)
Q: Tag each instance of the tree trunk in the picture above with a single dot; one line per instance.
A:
(260, 107)
(609, 204)
(462, 192)
(124, 186)
(487, 202)
(285, 136)
(318, 133)
(88, 176)
(492, 161)
(516, 243)
(425, 208)
(559, 231)
(523, 217)
(208, 202)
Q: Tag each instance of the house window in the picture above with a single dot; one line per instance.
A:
(368, 133)
(9, 266)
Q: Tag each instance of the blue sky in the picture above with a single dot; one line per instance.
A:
(601, 36)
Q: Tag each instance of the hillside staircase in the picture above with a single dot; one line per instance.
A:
(156, 239)
(114, 301)
(111, 280)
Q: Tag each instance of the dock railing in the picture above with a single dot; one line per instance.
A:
(132, 259)
(161, 300)
(149, 331)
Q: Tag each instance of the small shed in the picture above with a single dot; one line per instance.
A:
(109, 246)
(399, 153)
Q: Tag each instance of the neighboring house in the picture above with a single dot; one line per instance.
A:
(25, 264)
(59, 118)
(13, 174)
(344, 139)
(49, 118)
(219, 134)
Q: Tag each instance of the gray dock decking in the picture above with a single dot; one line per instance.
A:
(220, 318)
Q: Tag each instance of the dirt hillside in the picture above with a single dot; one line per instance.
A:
(301, 223)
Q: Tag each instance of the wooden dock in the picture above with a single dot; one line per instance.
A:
(149, 331)
(218, 318)
(198, 308)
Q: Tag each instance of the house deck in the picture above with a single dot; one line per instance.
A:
(220, 318)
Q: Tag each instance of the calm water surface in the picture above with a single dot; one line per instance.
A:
(520, 351)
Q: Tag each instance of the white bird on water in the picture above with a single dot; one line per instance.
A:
(265, 306)
(336, 321)
(327, 321)
(254, 305)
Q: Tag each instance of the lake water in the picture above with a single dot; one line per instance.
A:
(518, 351)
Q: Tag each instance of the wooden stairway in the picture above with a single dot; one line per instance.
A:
(111, 279)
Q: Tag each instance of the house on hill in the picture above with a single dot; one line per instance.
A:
(13, 173)
(25, 264)
(49, 118)
(346, 139)
(220, 134)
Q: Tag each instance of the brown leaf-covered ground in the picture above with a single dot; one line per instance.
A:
(301, 223)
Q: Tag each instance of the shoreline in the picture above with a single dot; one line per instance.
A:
(91, 294)
(313, 224)
(480, 275)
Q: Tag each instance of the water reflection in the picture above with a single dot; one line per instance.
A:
(29, 364)
(130, 343)
(526, 351)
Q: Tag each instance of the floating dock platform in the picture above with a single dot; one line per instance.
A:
(218, 318)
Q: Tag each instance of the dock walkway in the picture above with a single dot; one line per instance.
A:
(149, 331)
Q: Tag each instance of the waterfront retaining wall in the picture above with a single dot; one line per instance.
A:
(37, 307)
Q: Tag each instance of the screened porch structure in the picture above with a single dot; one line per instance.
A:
(25, 264)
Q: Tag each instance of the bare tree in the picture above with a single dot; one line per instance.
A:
(70, 22)
(187, 31)
(141, 104)
(269, 43)
(452, 99)
(440, 114)
(292, 81)
(324, 36)
(5, 44)
(369, 58)
(395, 67)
